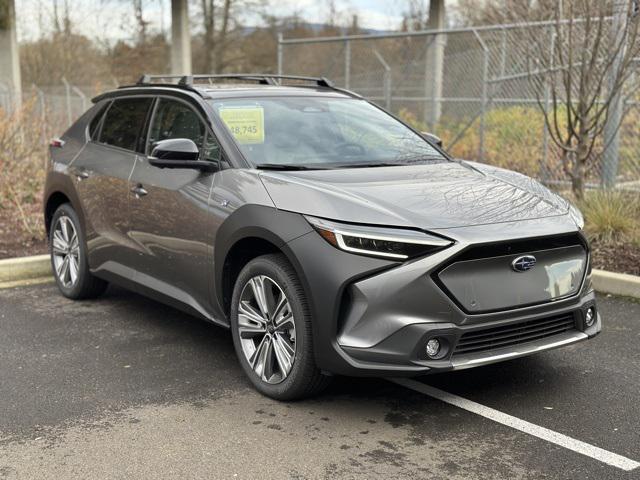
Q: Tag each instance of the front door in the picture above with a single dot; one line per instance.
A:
(169, 213)
(101, 173)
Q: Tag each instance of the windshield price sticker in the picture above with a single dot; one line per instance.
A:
(245, 123)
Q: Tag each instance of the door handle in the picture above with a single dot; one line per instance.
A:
(139, 191)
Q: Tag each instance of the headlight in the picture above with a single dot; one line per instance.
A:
(394, 243)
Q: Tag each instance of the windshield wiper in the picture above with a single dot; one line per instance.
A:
(287, 166)
(370, 164)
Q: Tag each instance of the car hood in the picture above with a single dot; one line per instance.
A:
(430, 196)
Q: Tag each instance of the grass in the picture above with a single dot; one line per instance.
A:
(612, 216)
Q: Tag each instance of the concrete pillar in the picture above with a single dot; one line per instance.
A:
(180, 38)
(434, 62)
(9, 57)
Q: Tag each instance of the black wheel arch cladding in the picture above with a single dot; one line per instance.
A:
(261, 223)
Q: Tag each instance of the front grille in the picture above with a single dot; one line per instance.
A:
(514, 334)
(516, 247)
(481, 278)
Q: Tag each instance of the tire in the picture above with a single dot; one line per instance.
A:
(76, 281)
(275, 275)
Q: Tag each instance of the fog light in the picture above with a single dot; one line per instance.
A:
(590, 316)
(433, 347)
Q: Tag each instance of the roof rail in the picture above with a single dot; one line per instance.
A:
(262, 78)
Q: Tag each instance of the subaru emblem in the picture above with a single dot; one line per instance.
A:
(523, 263)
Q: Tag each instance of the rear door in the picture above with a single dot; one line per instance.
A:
(170, 221)
(102, 172)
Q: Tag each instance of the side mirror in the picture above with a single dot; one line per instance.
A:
(432, 138)
(179, 153)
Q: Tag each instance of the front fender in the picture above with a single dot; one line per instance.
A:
(277, 227)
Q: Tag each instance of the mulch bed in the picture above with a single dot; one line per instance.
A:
(22, 248)
(622, 257)
(14, 242)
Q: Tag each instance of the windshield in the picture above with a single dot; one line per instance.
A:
(320, 132)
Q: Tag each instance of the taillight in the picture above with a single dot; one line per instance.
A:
(57, 142)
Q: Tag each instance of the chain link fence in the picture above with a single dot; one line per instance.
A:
(57, 105)
(483, 102)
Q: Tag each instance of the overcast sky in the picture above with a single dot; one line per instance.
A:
(113, 19)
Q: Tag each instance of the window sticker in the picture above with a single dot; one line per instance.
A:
(245, 123)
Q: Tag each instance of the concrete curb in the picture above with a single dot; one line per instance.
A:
(616, 283)
(25, 268)
(17, 270)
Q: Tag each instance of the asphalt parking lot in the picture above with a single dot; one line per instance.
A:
(123, 387)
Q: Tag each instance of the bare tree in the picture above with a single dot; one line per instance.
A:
(215, 20)
(579, 74)
(142, 24)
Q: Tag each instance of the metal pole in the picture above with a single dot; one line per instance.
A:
(387, 89)
(280, 52)
(428, 74)
(5, 96)
(545, 130)
(67, 89)
(83, 97)
(386, 79)
(485, 79)
(614, 117)
(43, 116)
(503, 55)
(347, 64)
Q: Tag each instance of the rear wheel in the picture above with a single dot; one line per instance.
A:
(69, 256)
(271, 328)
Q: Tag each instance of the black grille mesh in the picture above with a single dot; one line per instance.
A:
(514, 334)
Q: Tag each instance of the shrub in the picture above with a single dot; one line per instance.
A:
(23, 154)
(611, 216)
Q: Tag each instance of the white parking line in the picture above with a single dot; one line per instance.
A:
(596, 453)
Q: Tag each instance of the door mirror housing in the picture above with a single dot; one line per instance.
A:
(432, 138)
(179, 153)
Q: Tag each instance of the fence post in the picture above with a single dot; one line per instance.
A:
(83, 97)
(614, 117)
(280, 53)
(485, 84)
(545, 130)
(6, 97)
(347, 64)
(67, 89)
(43, 117)
(386, 79)
(503, 53)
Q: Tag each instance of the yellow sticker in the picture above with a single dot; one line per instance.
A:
(246, 123)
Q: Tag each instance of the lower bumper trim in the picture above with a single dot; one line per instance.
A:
(460, 362)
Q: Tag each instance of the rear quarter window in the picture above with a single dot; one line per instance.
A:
(94, 125)
(124, 123)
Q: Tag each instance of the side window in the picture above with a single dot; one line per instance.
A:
(173, 119)
(94, 125)
(211, 150)
(124, 122)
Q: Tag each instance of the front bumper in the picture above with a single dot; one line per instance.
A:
(374, 317)
(407, 346)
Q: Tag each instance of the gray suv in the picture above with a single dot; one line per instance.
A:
(330, 237)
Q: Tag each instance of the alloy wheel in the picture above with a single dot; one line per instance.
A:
(267, 329)
(65, 252)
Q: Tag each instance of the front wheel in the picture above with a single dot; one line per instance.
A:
(271, 328)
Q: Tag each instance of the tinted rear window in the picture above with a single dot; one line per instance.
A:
(95, 123)
(124, 122)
